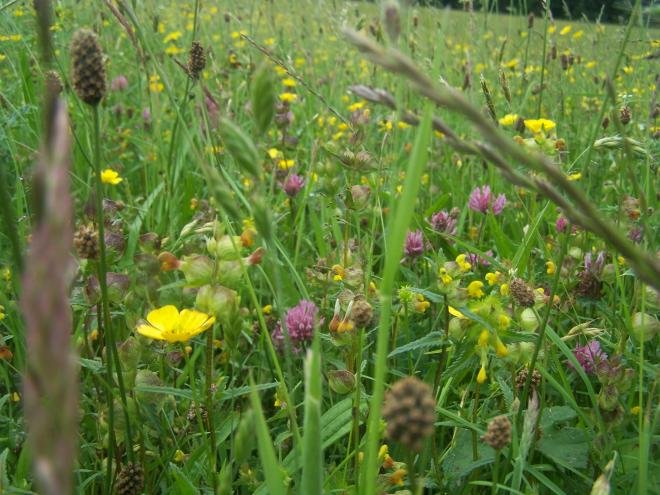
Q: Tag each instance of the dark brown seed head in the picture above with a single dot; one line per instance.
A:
(130, 480)
(196, 60)
(86, 242)
(88, 71)
(409, 411)
(521, 378)
(498, 434)
(588, 285)
(625, 115)
(522, 293)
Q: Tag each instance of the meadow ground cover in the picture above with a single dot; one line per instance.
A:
(327, 247)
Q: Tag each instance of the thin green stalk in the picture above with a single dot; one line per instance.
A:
(395, 239)
(545, 43)
(9, 217)
(112, 357)
(209, 408)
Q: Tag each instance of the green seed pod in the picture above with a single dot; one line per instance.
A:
(644, 327)
(341, 381)
(220, 302)
(528, 320)
(240, 146)
(263, 99)
(197, 269)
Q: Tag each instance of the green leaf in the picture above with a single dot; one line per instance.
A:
(433, 339)
(520, 259)
(459, 462)
(272, 470)
(312, 470)
(567, 447)
(557, 414)
(183, 484)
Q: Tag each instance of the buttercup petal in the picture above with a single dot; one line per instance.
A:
(191, 320)
(150, 332)
(165, 318)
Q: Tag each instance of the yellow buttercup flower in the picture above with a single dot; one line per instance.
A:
(109, 176)
(288, 97)
(538, 125)
(509, 119)
(167, 323)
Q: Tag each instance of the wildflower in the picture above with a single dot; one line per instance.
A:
(119, 83)
(293, 184)
(500, 349)
(509, 119)
(300, 321)
(589, 356)
(493, 278)
(2, 312)
(462, 264)
(421, 305)
(539, 125)
(274, 153)
(484, 338)
(289, 82)
(288, 97)
(565, 30)
(167, 323)
(503, 321)
(445, 278)
(481, 377)
(109, 176)
(396, 478)
(442, 221)
(504, 289)
(481, 200)
(561, 224)
(474, 289)
(454, 312)
(414, 246)
(179, 456)
(551, 268)
(635, 410)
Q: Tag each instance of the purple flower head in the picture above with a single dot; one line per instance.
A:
(300, 321)
(442, 221)
(475, 259)
(595, 267)
(146, 114)
(561, 224)
(119, 83)
(589, 356)
(293, 184)
(481, 200)
(414, 246)
(636, 235)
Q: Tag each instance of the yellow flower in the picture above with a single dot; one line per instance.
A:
(286, 164)
(511, 64)
(168, 324)
(493, 278)
(565, 30)
(538, 125)
(289, 82)
(628, 70)
(503, 321)
(474, 289)
(402, 125)
(288, 97)
(396, 478)
(481, 377)
(109, 176)
(575, 176)
(551, 268)
(15, 397)
(509, 119)
(578, 35)
(356, 106)
(267, 309)
(179, 456)
(454, 312)
(2, 312)
(501, 349)
(273, 153)
(173, 36)
(173, 50)
(462, 264)
(484, 337)
(445, 278)
(339, 273)
(635, 410)
(504, 289)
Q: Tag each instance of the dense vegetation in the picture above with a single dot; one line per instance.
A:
(327, 247)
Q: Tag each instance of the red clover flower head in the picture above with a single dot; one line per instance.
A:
(481, 200)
